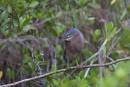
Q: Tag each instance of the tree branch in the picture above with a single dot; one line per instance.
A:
(64, 70)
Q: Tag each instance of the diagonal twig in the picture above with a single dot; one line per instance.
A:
(64, 70)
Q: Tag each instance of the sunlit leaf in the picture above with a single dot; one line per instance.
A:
(34, 4)
(113, 1)
(81, 2)
(110, 30)
(120, 73)
(1, 74)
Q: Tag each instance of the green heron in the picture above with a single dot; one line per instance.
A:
(74, 43)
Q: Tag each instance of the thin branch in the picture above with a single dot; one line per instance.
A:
(113, 45)
(88, 69)
(64, 70)
(97, 53)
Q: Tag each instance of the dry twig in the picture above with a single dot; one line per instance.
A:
(64, 70)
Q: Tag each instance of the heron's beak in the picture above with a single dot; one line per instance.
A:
(68, 38)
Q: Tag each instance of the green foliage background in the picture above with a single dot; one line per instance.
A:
(58, 15)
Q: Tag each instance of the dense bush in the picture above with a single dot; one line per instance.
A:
(29, 27)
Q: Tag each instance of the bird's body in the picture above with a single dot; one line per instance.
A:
(74, 43)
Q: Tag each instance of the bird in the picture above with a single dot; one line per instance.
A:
(74, 43)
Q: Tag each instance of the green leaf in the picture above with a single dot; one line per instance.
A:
(9, 9)
(11, 73)
(59, 28)
(34, 4)
(125, 39)
(113, 1)
(124, 13)
(110, 30)
(120, 73)
(81, 2)
(109, 25)
(96, 35)
(24, 21)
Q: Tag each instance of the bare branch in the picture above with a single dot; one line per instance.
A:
(64, 70)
